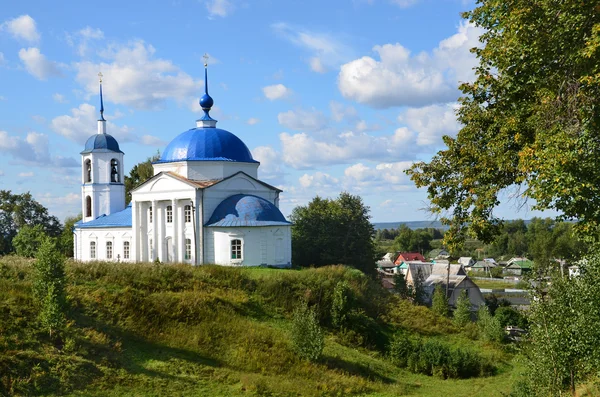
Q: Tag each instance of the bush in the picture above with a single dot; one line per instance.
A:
(462, 314)
(489, 327)
(439, 302)
(28, 240)
(507, 315)
(400, 286)
(307, 336)
(340, 305)
(436, 358)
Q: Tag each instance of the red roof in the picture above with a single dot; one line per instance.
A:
(409, 256)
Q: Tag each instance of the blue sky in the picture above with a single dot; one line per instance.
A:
(328, 95)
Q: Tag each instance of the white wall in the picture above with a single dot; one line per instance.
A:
(207, 170)
(100, 236)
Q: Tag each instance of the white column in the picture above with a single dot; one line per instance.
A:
(154, 230)
(135, 228)
(175, 240)
(160, 219)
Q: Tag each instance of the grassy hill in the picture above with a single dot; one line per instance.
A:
(162, 330)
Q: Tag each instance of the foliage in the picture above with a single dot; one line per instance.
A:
(439, 301)
(564, 332)
(19, 210)
(409, 240)
(139, 174)
(530, 119)
(417, 289)
(433, 357)
(49, 287)
(307, 336)
(400, 286)
(65, 242)
(493, 303)
(341, 305)
(28, 240)
(507, 315)
(489, 326)
(336, 231)
(462, 313)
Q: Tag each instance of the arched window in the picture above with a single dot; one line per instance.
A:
(125, 249)
(114, 170)
(92, 250)
(88, 170)
(169, 214)
(109, 250)
(188, 213)
(188, 249)
(236, 249)
(88, 206)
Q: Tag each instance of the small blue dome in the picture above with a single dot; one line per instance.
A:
(206, 101)
(246, 210)
(206, 144)
(101, 143)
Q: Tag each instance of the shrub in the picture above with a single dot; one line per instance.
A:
(507, 315)
(489, 326)
(439, 302)
(340, 305)
(307, 336)
(462, 314)
(28, 240)
(400, 285)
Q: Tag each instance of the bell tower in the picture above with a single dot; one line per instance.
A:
(102, 187)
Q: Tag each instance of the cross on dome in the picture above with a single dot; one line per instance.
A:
(206, 102)
(100, 75)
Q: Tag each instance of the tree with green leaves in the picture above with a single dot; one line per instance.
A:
(65, 241)
(462, 313)
(140, 173)
(19, 210)
(307, 335)
(409, 240)
(439, 301)
(489, 327)
(28, 240)
(334, 231)
(341, 304)
(531, 119)
(400, 286)
(49, 287)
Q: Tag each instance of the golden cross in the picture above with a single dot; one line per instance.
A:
(205, 59)
(100, 76)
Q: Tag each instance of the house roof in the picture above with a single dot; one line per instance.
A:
(246, 210)
(409, 256)
(404, 264)
(118, 219)
(442, 269)
(521, 263)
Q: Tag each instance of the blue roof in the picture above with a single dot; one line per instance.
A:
(205, 144)
(118, 219)
(246, 210)
(101, 143)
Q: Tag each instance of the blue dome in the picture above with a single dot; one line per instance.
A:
(246, 210)
(206, 101)
(101, 143)
(205, 144)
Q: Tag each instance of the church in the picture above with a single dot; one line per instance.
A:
(204, 204)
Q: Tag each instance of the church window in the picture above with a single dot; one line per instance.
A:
(88, 206)
(125, 249)
(169, 214)
(188, 213)
(109, 250)
(188, 249)
(114, 170)
(88, 170)
(92, 249)
(236, 249)
(279, 250)
(150, 214)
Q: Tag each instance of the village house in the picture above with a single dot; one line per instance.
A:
(518, 266)
(407, 257)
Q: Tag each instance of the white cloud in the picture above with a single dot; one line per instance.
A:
(270, 164)
(340, 112)
(2, 60)
(327, 52)
(431, 122)
(83, 123)
(22, 27)
(400, 78)
(252, 121)
(33, 150)
(303, 120)
(59, 98)
(404, 3)
(277, 91)
(82, 38)
(318, 180)
(302, 151)
(363, 126)
(25, 174)
(37, 64)
(134, 77)
(220, 8)
(381, 178)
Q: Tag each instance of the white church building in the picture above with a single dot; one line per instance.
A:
(204, 204)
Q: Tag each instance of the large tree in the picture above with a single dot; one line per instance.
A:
(19, 210)
(327, 232)
(531, 119)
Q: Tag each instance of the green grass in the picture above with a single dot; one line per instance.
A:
(494, 284)
(154, 330)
